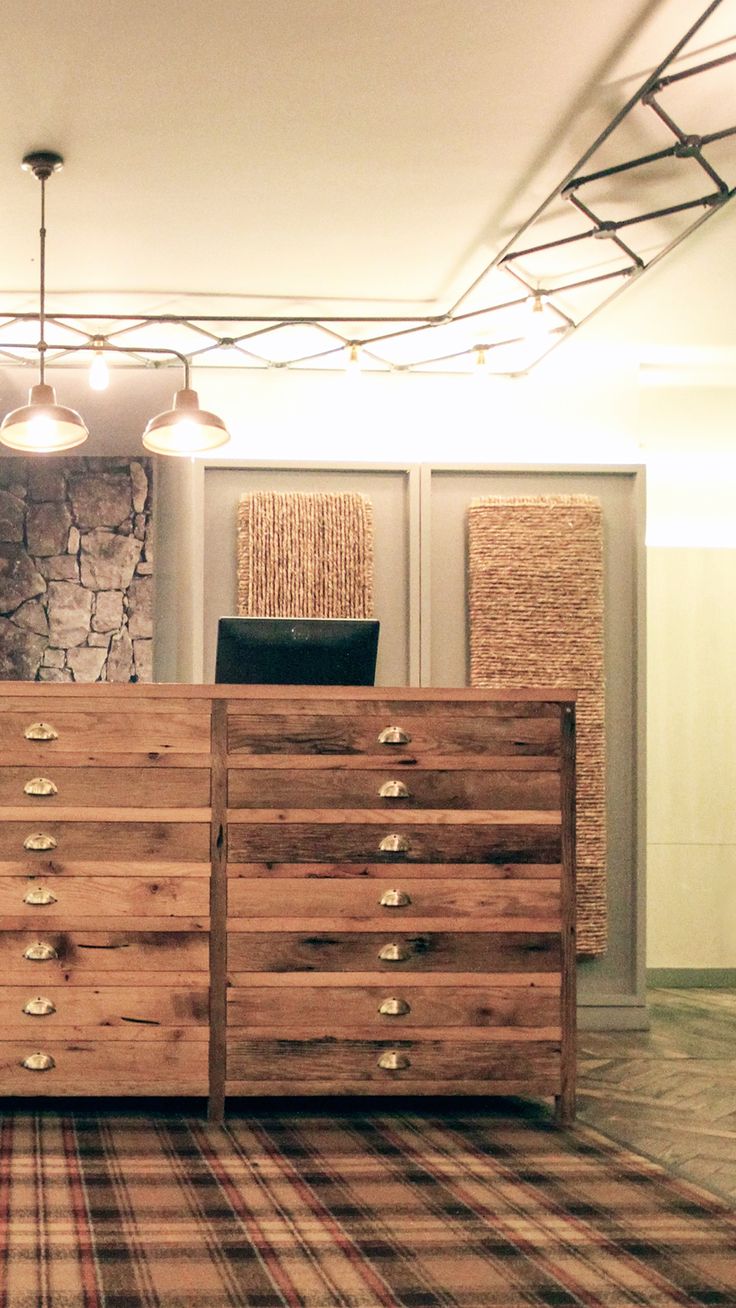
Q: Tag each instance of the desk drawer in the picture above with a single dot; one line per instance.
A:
(137, 954)
(41, 731)
(388, 1008)
(56, 786)
(392, 951)
(41, 836)
(83, 1067)
(42, 898)
(395, 899)
(536, 840)
(434, 1062)
(394, 789)
(396, 735)
(122, 1012)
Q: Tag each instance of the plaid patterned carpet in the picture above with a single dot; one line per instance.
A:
(334, 1208)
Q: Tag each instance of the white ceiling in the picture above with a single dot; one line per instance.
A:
(305, 157)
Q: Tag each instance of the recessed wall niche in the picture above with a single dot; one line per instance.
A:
(76, 569)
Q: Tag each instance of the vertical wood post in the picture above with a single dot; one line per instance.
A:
(218, 912)
(565, 1101)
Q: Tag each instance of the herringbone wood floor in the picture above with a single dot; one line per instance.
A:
(670, 1092)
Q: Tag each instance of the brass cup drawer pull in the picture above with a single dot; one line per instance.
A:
(396, 951)
(41, 731)
(394, 790)
(38, 1062)
(40, 1006)
(392, 1060)
(394, 736)
(40, 952)
(39, 840)
(394, 1007)
(394, 844)
(40, 786)
(394, 899)
(38, 895)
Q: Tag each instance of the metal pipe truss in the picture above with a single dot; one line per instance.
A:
(564, 279)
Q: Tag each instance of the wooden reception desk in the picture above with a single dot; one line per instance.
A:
(218, 890)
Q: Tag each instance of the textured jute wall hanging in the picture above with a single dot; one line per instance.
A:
(304, 554)
(536, 619)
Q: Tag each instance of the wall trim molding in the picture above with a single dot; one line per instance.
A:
(692, 978)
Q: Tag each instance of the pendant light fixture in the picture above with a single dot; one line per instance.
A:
(42, 426)
(185, 429)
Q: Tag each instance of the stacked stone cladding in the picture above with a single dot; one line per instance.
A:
(76, 569)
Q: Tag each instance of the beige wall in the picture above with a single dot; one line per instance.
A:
(692, 758)
(691, 732)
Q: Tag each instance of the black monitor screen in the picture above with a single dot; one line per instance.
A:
(296, 651)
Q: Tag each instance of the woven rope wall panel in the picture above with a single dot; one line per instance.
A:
(305, 555)
(536, 619)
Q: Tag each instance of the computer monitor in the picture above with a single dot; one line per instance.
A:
(296, 651)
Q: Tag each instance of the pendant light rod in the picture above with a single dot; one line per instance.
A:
(42, 287)
(42, 163)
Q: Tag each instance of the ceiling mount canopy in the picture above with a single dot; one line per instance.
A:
(44, 427)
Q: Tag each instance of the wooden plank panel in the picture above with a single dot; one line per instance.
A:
(358, 952)
(101, 1009)
(33, 815)
(314, 1030)
(83, 787)
(139, 694)
(531, 1087)
(324, 734)
(105, 729)
(45, 865)
(427, 871)
(218, 911)
(502, 817)
(100, 921)
(299, 842)
(106, 1068)
(336, 898)
(139, 952)
(405, 763)
(183, 841)
(382, 701)
(359, 788)
(150, 761)
(340, 1010)
(337, 980)
(436, 1060)
(80, 897)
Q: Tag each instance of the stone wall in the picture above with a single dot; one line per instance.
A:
(76, 569)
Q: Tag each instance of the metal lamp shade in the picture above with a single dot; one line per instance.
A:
(42, 426)
(185, 429)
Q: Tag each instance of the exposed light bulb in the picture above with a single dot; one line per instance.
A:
(538, 326)
(99, 373)
(352, 361)
(42, 430)
(481, 361)
(188, 434)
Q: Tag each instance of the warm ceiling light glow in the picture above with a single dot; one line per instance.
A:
(353, 364)
(539, 322)
(42, 426)
(185, 429)
(99, 373)
(481, 361)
